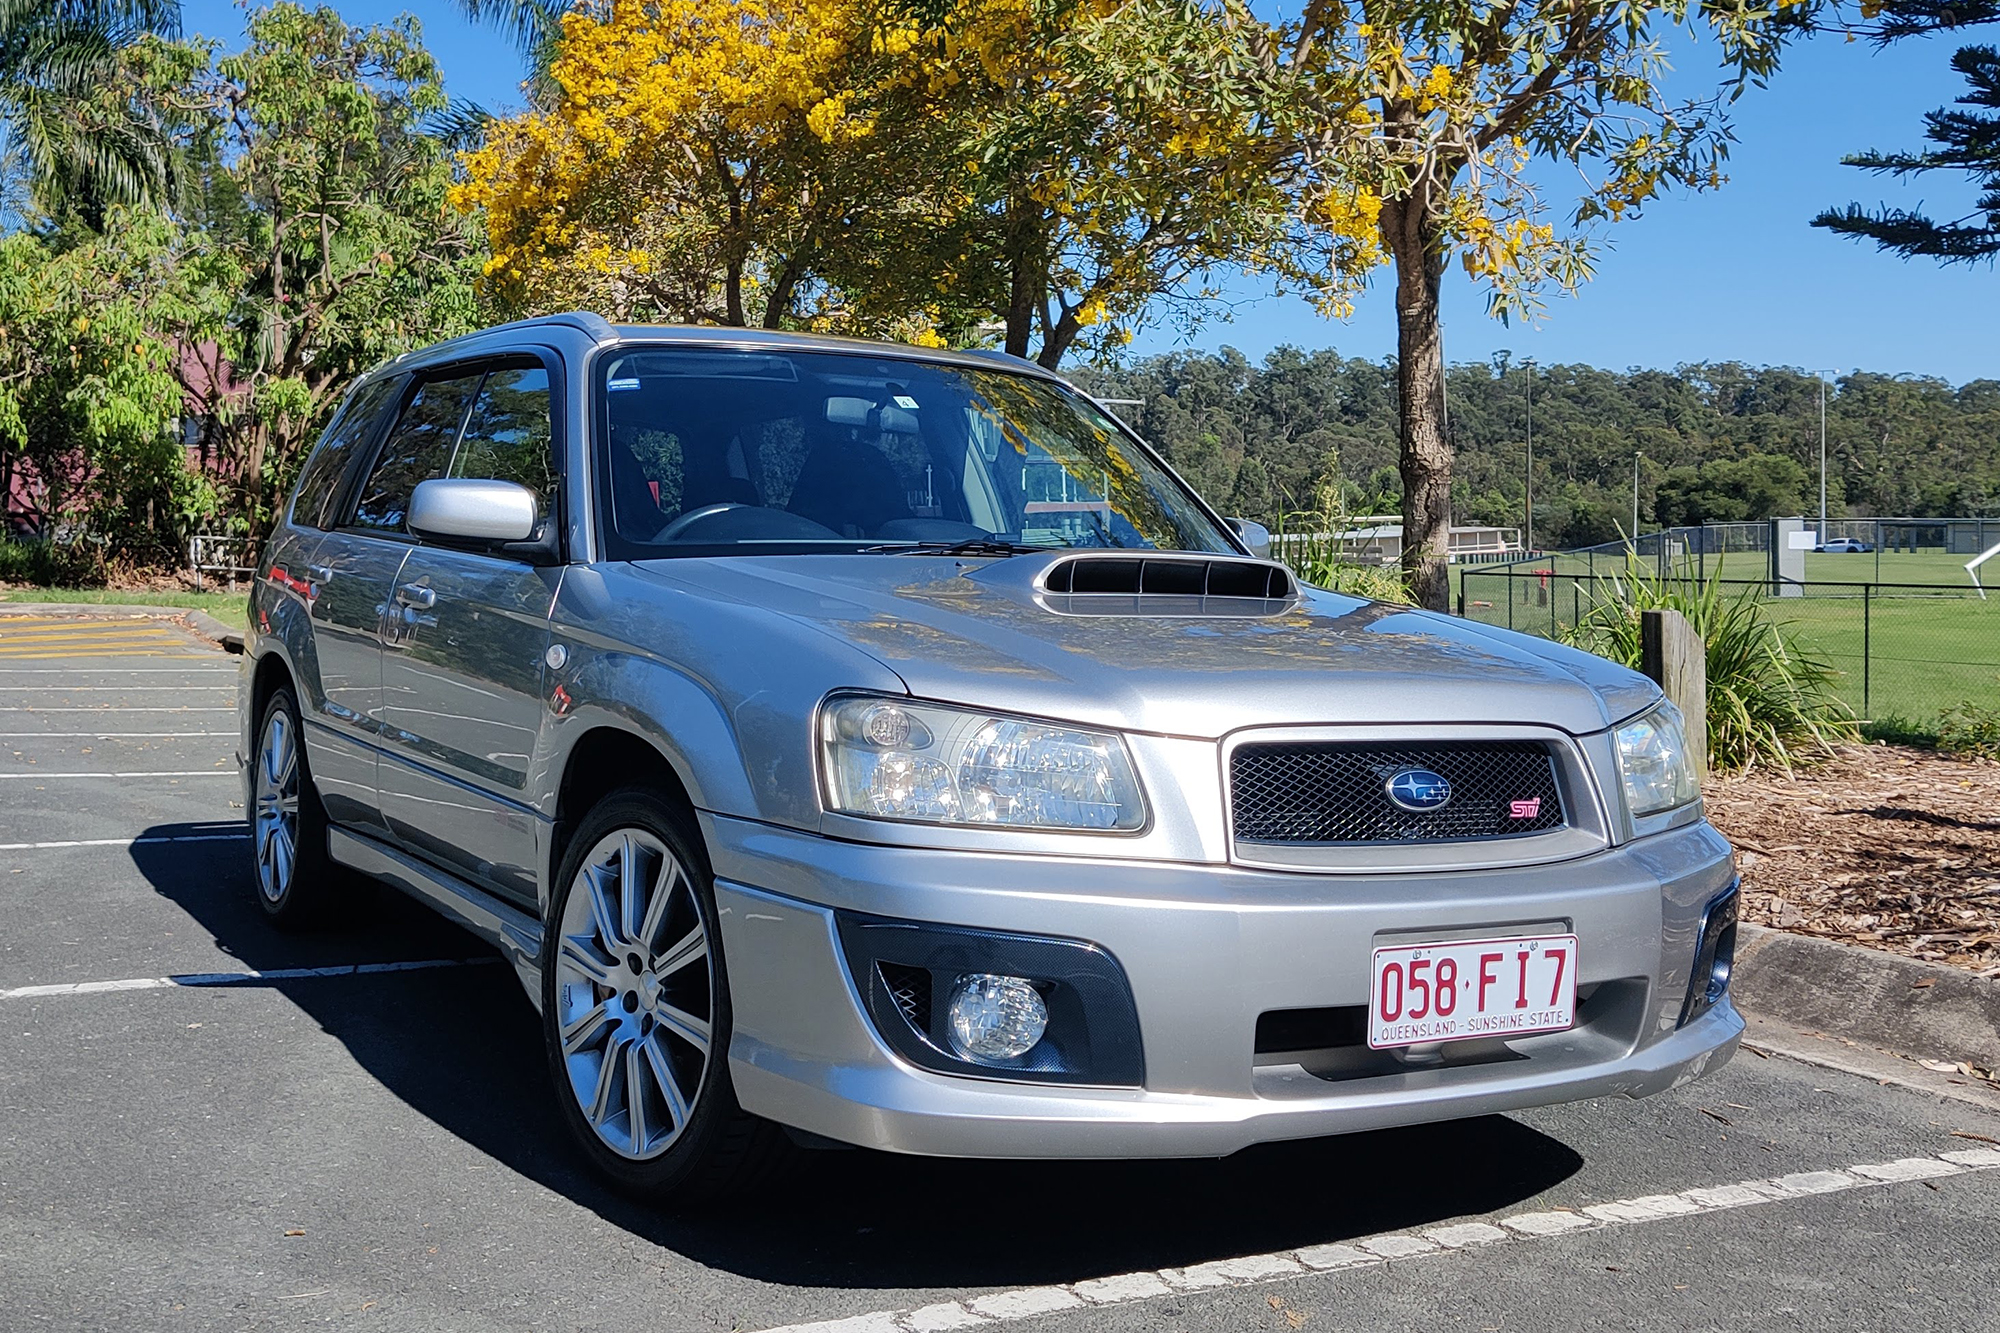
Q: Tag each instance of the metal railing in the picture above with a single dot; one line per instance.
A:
(230, 557)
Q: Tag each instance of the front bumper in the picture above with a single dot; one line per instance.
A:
(1207, 950)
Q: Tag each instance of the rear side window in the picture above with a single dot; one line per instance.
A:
(319, 482)
(508, 435)
(418, 449)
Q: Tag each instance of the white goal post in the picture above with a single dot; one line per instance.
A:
(1972, 568)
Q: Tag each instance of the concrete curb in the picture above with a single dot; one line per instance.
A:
(201, 622)
(1881, 1000)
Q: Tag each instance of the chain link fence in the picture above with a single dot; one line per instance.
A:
(1904, 650)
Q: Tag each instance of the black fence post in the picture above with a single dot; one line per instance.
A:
(1510, 599)
(1867, 609)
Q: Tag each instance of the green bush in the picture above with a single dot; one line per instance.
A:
(51, 564)
(1971, 731)
(1769, 699)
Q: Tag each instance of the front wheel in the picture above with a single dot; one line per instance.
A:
(635, 1009)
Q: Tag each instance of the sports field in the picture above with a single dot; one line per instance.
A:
(1908, 648)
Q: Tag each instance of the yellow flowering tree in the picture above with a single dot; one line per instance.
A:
(1119, 154)
(1463, 100)
(1060, 169)
(695, 160)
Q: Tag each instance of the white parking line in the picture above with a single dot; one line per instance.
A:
(107, 708)
(1008, 1306)
(142, 840)
(117, 671)
(233, 978)
(105, 735)
(178, 773)
(119, 689)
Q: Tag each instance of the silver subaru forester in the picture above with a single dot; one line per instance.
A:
(852, 744)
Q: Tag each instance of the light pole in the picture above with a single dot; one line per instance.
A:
(1635, 495)
(1528, 527)
(1821, 377)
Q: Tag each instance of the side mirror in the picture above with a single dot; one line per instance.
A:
(480, 511)
(1254, 534)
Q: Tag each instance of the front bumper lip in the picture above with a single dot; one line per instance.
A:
(1206, 951)
(891, 1106)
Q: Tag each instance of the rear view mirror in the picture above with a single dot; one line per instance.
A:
(1254, 535)
(467, 510)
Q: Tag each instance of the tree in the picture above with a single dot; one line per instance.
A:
(1463, 98)
(1062, 169)
(1730, 490)
(320, 241)
(1966, 142)
(88, 141)
(88, 394)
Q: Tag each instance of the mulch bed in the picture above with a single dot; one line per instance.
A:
(1885, 846)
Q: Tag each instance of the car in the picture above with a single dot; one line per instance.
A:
(1849, 545)
(861, 745)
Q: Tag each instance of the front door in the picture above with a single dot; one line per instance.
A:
(463, 643)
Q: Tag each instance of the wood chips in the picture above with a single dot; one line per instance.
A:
(1885, 846)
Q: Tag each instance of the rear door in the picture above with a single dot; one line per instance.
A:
(355, 572)
(463, 647)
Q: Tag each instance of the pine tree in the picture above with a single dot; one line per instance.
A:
(1965, 141)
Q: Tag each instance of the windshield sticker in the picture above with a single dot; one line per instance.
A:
(620, 386)
(907, 403)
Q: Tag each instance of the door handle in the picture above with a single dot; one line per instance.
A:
(415, 594)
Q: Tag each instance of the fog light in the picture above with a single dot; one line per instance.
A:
(996, 1018)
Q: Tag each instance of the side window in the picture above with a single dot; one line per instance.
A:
(319, 482)
(508, 435)
(418, 449)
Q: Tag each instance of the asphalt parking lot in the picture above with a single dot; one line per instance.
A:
(205, 1124)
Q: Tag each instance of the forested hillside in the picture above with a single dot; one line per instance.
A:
(1719, 442)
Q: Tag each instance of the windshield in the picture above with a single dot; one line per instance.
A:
(727, 452)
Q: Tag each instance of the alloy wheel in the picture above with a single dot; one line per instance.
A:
(277, 806)
(634, 993)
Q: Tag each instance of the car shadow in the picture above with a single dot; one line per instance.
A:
(853, 1218)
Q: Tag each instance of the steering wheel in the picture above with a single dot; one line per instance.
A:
(673, 530)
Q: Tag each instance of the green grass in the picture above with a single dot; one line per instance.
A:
(1925, 653)
(228, 607)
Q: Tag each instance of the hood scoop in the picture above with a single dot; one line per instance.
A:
(1102, 584)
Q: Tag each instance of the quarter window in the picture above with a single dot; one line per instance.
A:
(418, 449)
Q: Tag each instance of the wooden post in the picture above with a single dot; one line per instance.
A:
(1673, 655)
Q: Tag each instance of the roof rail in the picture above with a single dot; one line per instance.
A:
(590, 322)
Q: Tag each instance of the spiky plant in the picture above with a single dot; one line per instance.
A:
(1770, 700)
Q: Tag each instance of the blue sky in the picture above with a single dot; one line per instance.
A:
(1731, 275)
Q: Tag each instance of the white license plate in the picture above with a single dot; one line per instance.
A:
(1471, 988)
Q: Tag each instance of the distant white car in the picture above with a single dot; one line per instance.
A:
(1845, 545)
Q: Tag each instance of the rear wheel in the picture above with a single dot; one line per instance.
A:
(295, 878)
(635, 1009)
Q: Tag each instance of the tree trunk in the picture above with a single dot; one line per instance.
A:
(1024, 273)
(1411, 234)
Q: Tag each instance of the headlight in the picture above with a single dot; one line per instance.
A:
(1654, 761)
(891, 759)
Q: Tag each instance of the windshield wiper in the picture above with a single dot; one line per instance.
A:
(968, 546)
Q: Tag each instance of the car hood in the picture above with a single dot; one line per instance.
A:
(975, 631)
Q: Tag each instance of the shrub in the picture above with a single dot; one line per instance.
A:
(51, 564)
(1971, 731)
(1769, 699)
(1306, 540)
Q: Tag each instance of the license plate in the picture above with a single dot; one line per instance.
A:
(1472, 988)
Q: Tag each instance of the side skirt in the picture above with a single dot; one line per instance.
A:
(517, 935)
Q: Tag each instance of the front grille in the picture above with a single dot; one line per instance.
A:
(1337, 792)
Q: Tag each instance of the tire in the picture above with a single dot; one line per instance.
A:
(635, 996)
(297, 884)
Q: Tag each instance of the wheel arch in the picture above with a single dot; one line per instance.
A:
(601, 761)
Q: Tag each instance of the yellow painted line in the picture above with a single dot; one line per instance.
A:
(85, 639)
(92, 627)
(77, 622)
(70, 646)
(42, 655)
